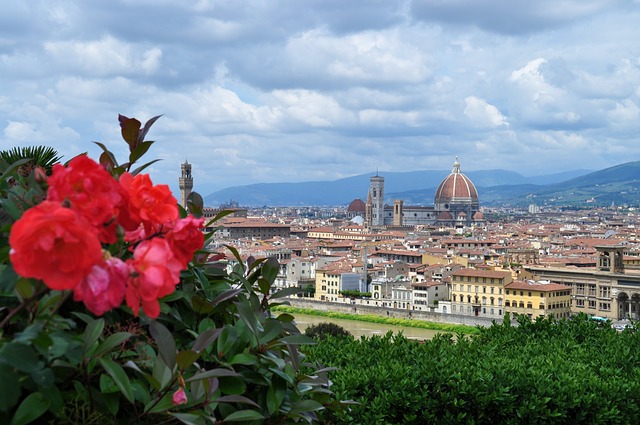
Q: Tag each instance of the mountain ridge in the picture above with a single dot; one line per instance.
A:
(415, 187)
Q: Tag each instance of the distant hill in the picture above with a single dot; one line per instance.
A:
(415, 187)
(617, 185)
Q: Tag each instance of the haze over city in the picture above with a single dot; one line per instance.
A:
(318, 90)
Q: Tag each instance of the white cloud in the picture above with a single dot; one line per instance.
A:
(285, 90)
(483, 114)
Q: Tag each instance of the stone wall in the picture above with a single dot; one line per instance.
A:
(390, 312)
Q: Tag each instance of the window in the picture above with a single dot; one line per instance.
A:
(541, 306)
(529, 305)
(592, 303)
(521, 304)
(507, 303)
(491, 301)
(484, 289)
(492, 288)
(500, 302)
(605, 292)
(580, 303)
(484, 300)
(529, 293)
(476, 289)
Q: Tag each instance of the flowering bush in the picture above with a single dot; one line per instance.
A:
(59, 240)
(179, 338)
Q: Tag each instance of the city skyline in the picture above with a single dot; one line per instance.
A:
(289, 91)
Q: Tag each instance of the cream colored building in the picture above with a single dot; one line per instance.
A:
(479, 292)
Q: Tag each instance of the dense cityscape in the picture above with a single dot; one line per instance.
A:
(455, 262)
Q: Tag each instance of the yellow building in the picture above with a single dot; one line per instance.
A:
(537, 299)
(332, 279)
(479, 292)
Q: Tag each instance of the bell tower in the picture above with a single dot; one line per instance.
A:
(185, 183)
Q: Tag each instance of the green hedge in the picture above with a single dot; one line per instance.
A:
(372, 318)
(542, 372)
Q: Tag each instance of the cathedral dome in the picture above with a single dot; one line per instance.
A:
(456, 188)
(357, 206)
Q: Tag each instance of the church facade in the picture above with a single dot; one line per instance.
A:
(456, 204)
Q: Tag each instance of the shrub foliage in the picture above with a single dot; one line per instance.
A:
(541, 372)
(323, 330)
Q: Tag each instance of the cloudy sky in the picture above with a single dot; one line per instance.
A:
(296, 90)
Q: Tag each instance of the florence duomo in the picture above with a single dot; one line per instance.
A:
(456, 204)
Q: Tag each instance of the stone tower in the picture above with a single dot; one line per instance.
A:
(185, 182)
(376, 192)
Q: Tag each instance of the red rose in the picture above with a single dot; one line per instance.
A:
(91, 191)
(55, 244)
(103, 288)
(185, 238)
(153, 206)
(156, 273)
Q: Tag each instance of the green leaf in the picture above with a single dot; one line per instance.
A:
(189, 418)
(287, 291)
(205, 339)
(272, 329)
(166, 343)
(226, 295)
(161, 373)
(200, 305)
(298, 340)
(195, 203)
(247, 314)
(306, 406)
(236, 399)
(186, 358)
(161, 407)
(25, 288)
(142, 167)
(285, 317)
(91, 333)
(44, 378)
(9, 388)
(213, 373)
(111, 342)
(232, 385)
(119, 377)
(244, 416)
(270, 269)
(21, 356)
(244, 359)
(150, 379)
(139, 151)
(31, 408)
(147, 127)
